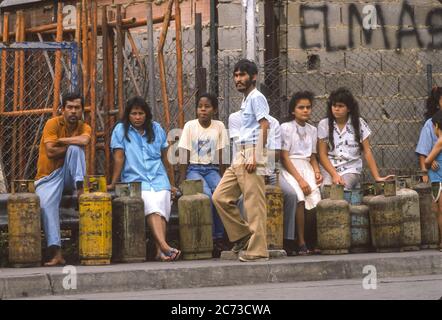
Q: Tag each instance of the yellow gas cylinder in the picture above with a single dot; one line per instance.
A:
(275, 216)
(195, 221)
(129, 233)
(24, 225)
(95, 222)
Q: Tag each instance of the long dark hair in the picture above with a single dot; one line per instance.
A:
(343, 95)
(294, 100)
(433, 102)
(133, 102)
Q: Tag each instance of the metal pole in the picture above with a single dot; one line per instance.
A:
(151, 60)
(214, 47)
(179, 65)
(429, 78)
(120, 63)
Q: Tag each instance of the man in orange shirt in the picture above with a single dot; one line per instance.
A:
(61, 166)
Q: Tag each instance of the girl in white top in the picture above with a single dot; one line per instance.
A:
(300, 167)
(343, 137)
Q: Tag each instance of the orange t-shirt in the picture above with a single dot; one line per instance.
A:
(54, 129)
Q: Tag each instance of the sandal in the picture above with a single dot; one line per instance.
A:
(162, 258)
(316, 251)
(304, 251)
(173, 254)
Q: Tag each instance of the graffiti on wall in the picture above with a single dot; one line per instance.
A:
(371, 19)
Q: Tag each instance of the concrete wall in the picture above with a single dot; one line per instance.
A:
(324, 45)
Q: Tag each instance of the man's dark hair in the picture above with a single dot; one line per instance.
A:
(247, 66)
(70, 96)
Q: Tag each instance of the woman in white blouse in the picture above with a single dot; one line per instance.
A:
(342, 138)
(300, 169)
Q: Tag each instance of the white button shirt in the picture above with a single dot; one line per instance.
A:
(299, 141)
(346, 157)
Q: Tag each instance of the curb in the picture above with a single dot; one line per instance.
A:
(213, 273)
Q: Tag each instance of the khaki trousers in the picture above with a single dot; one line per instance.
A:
(237, 181)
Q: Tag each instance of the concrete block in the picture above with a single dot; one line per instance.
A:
(421, 13)
(420, 106)
(293, 17)
(371, 109)
(313, 38)
(399, 61)
(319, 110)
(398, 157)
(377, 153)
(379, 38)
(383, 132)
(433, 57)
(409, 132)
(332, 62)
(338, 38)
(312, 16)
(400, 109)
(351, 81)
(313, 82)
(297, 60)
(380, 85)
(229, 14)
(413, 85)
(362, 61)
(411, 42)
(229, 39)
(391, 13)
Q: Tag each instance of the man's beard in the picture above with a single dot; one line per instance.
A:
(246, 87)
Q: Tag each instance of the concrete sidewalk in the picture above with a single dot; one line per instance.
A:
(34, 282)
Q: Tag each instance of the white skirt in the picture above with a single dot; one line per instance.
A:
(306, 171)
(157, 202)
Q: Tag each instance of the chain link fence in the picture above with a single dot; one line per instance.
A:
(391, 90)
(28, 100)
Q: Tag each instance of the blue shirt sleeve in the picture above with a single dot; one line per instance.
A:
(260, 108)
(425, 143)
(162, 135)
(117, 137)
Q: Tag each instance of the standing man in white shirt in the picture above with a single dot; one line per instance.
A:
(246, 174)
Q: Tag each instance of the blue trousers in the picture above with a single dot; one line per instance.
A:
(209, 174)
(50, 190)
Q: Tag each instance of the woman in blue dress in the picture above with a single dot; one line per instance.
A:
(427, 137)
(139, 148)
(429, 148)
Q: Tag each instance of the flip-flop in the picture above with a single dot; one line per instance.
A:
(173, 254)
(304, 251)
(162, 258)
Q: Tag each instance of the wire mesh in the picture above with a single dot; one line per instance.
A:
(29, 93)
